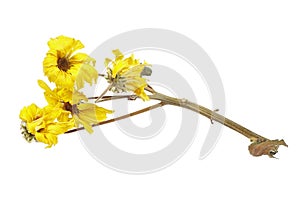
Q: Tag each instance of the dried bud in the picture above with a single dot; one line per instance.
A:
(147, 71)
(267, 147)
(27, 136)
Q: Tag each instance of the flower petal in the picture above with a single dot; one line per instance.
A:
(90, 114)
(30, 113)
(87, 73)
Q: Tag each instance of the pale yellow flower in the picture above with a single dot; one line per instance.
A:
(88, 114)
(125, 74)
(64, 67)
(41, 124)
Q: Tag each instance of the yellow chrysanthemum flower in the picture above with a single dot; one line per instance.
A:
(64, 67)
(125, 74)
(74, 105)
(41, 124)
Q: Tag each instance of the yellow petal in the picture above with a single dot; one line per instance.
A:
(87, 73)
(134, 71)
(50, 113)
(63, 79)
(41, 138)
(30, 113)
(50, 59)
(101, 113)
(90, 114)
(64, 116)
(36, 125)
(59, 127)
(44, 86)
(64, 94)
(65, 44)
(78, 58)
(119, 68)
(48, 139)
(51, 139)
(118, 54)
(87, 126)
(141, 93)
(77, 97)
(107, 62)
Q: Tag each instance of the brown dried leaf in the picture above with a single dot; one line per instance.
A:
(267, 147)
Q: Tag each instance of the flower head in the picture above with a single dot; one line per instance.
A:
(41, 124)
(64, 67)
(125, 74)
(74, 106)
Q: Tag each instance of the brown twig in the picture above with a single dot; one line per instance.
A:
(122, 117)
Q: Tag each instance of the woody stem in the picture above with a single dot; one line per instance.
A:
(212, 115)
(184, 103)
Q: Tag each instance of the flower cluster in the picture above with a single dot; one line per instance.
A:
(68, 107)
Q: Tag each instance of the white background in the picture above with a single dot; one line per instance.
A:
(255, 46)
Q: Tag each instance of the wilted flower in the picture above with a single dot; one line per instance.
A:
(41, 124)
(125, 74)
(75, 106)
(64, 67)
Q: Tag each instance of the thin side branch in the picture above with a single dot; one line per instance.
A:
(103, 93)
(122, 117)
(108, 98)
